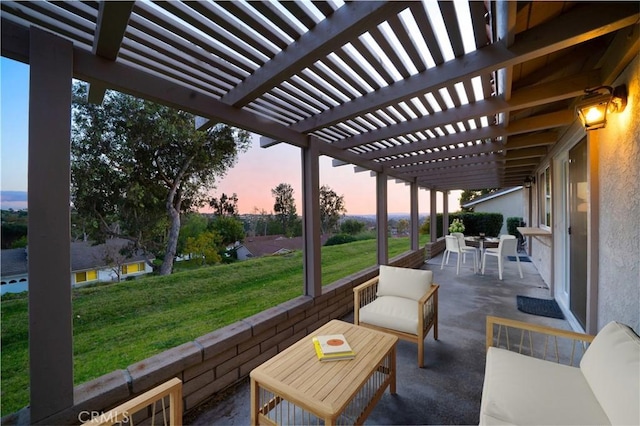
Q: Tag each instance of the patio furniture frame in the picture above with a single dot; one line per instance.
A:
(366, 293)
(538, 341)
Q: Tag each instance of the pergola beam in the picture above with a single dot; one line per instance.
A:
(113, 17)
(563, 88)
(582, 23)
(350, 20)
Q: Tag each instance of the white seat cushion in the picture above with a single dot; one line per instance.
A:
(395, 313)
(611, 366)
(403, 282)
(519, 389)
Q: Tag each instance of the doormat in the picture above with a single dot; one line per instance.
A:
(522, 258)
(542, 307)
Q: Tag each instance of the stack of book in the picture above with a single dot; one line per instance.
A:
(332, 347)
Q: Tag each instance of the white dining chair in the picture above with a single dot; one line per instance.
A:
(508, 246)
(453, 246)
(464, 248)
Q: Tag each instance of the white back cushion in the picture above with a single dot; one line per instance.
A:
(611, 366)
(404, 282)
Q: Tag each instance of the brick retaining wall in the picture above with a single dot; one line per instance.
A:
(215, 361)
(434, 249)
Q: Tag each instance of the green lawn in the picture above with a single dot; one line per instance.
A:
(119, 324)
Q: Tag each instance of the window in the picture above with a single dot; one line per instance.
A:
(545, 198)
(132, 268)
(86, 276)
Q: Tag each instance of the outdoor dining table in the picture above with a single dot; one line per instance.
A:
(482, 242)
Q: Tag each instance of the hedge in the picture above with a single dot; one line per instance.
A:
(474, 223)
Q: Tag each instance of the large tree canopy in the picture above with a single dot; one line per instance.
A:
(332, 209)
(285, 207)
(136, 166)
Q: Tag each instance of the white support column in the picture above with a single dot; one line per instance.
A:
(382, 219)
(433, 224)
(49, 257)
(415, 225)
(311, 220)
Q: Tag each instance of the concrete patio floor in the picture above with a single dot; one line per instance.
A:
(448, 389)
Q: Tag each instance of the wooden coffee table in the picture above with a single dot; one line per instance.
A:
(294, 387)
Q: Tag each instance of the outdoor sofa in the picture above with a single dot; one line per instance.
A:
(602, 388)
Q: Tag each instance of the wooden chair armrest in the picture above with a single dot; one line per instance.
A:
(428, 295)
(362, 295)
(366, 284)
(541, 331)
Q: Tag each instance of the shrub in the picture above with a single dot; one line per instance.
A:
(368, 235)
(352, 227)
(456, 226)
(340, 239)
(512, 225)
(425, 228)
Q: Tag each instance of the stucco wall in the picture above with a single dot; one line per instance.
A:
(510, 205)
(619, 275)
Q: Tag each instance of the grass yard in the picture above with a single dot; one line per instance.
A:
(117, 325)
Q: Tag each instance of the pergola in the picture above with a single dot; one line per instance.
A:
(442, 96)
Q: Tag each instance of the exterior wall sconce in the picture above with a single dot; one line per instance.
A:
(529, 180)
(599, 101)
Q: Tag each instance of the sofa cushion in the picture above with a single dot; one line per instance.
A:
(611, 366)
(403, 282)
(396, 313)
(519, 389)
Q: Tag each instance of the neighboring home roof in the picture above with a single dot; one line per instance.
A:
(271, 244)
(14, 262)
(84, 256)
(491, 196)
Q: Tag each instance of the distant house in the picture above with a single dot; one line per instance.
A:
(509, 202)
(269, 245)
(89, 264)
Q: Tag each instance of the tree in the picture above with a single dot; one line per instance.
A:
(205, 246)
(352, 227)
(402, 226)
(331, 209)
(114, 255)
(285, 207)
(192, 225)
(229, 229)
(225, 206)
(136, 166)
(469, 195)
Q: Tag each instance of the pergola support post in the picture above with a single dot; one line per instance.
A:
(433, 215)
(311, 220)
(49, 257)
(445, 211)
(414, 220)
(382, 218)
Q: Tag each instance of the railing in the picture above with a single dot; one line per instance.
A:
(538, 341)
(124, 413)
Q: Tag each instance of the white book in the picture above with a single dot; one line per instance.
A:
(333, 344)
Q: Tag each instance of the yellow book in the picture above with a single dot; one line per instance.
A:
(343, 353)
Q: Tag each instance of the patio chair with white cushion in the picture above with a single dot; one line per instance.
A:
(508, 246)
(400, 301)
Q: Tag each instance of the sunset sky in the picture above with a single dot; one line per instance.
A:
(257, 171)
